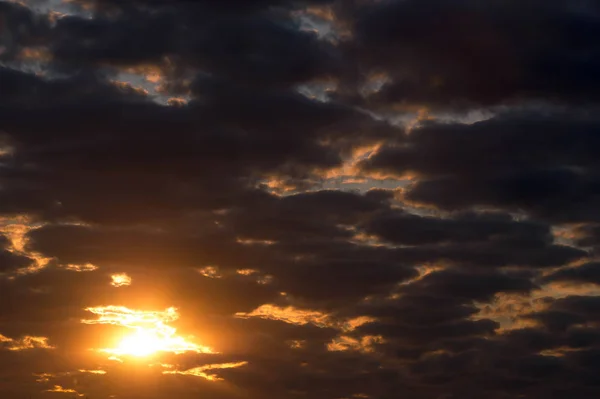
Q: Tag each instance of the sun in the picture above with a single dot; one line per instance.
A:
(142, 343)
(149, 335)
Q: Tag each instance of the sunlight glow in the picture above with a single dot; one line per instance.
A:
(150, 335)
(60, 389)
(120, 280)
(141, 343)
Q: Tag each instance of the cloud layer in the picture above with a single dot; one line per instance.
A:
(299, 199)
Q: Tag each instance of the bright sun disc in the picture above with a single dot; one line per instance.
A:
(141, 343)
(149, 332)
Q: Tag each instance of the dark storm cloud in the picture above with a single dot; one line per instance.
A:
(587, 235)
(470, 286)
(229, 6)
(20, 28)
(516, 141)
(23, 90)
(405, 228)
(586, 273)
(559, 194)
(570, 315)
(461, 53)
(450, 285)
(256, 48)
(526, 161)
(583, 305)
(321, 215)
(474, 239)
(9, 261)
(154, 149)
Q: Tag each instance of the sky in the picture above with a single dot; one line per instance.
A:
(319, 199)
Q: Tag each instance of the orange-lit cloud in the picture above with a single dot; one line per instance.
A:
(202, 370)
(120, 280)
(249, 241)
(60, 389)
(27, 342)
(345, 343)
(46, 377)
(210, 272)
(259, 277)
(151, 334)
(353, 324)
(289, 315)
(302, 317)
(35, 53)
(16, 229)
(177, 101)
(88, 267)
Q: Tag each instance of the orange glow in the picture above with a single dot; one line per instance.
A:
(142, 343)
(60, 389)
(202, 370)
(27, 342)
(365, 344)
(120, 280)
(289, 315)
(88, 267)
(151, 334)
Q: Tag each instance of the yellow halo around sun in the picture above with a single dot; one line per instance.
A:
(140, 344)
(150, 334)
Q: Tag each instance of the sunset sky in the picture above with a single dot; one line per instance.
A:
(312, 199)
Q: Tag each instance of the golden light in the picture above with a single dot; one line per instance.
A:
(141, 343)
(27, 342)
(120, 280)
(151, 334)
(205, 371)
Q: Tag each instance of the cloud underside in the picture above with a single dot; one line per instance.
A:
(331, 199)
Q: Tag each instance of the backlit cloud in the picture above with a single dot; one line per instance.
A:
(24, 343)
(120, 280)
(267, 199)
(206, 371)
(288, 314)
(59, 389)
(150, 334)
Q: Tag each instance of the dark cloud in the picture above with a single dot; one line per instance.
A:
(474, 239)
(471, 285)
(405, 228)
(20, 28)
(462, 54)
(182, 169)
(261, 48)
(587, 235)
(10, 261)
(586, 273)
(526, 161)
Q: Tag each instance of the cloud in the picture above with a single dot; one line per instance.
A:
(24, 343)
(152, 334)
(202, 370)
(525, 160)
(9, 260)
(59, 389)
(464, 55)
(586, 273)
(120, 280)
(275, 198)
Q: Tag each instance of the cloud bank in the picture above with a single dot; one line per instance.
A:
(299, 199)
